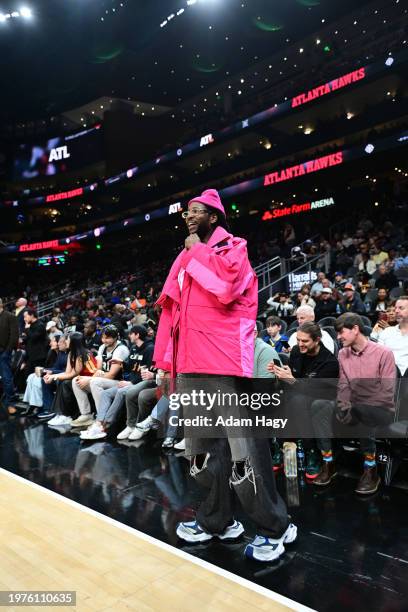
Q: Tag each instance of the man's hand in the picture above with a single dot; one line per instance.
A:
(48, 379)
(191, 241)
(343, 412)
(124, 383)
(82, 381)
(283, 373)
(147, 375)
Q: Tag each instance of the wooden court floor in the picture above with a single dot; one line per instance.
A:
(48, 543)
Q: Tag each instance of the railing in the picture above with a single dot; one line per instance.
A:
(45, 309)
(267, 271)
(307, 267)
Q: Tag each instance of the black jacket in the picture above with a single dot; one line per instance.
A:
(311, 371)
(325, 309)
(386, 281)
(139, 356)
(356, 305)
(93, 343)
(36, 341)
(8, 331)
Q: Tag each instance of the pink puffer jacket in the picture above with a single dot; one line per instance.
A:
(207, 327)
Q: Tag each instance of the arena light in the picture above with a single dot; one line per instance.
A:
(389, 61)
(26, 12)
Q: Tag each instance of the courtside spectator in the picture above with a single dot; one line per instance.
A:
(36, 342)
(365, 395)
(8, 343)
(111, 355)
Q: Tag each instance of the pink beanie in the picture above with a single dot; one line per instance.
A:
(210, 197)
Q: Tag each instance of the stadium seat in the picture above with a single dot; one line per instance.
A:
(327, 322)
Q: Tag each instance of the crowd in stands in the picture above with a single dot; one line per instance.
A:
(87, 366)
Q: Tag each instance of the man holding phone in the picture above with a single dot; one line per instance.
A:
(309, 359)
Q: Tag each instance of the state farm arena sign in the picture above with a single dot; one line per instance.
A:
(296, 209)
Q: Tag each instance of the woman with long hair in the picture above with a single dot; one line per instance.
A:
(81, 362)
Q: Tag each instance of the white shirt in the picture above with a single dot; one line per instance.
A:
(398, 343)
(317, 287)
(327, 340)
(119, 352)
(180, 278)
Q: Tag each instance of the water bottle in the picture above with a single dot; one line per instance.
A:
(300, 455)
(367, 306)
(292, 492)
(338, 309)
(289, 460)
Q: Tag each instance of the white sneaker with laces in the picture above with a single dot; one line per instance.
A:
(94, 432)
(270, 549)
(191, 532)
(125, 433)
(142, 429)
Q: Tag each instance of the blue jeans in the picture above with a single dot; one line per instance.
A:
(7, 378)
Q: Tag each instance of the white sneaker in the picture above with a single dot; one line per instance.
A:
(137, 433)
(149, 422)
(60, 419)
(123, 435)
(83, 420)
(191, 532)
(94, 432)
(232, 531)
(168, 443)
(269, 549)
(180, 445)
(142, 429)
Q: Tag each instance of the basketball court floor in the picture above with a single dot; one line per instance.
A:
(99, 519)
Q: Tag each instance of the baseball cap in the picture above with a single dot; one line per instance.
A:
(50, 324)
(349, 286)
(327, 290)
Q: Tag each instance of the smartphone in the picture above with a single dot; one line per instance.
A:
(383, 316)
(285, 344)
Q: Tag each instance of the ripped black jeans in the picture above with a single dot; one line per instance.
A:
(228, 465)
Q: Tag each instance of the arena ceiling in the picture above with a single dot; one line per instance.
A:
(162, 52)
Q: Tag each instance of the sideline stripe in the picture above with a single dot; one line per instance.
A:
(293, 605)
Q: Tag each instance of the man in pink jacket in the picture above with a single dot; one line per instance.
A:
(205, 338)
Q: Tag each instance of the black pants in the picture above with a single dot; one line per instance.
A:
(227, 465)
(365, 421)
(64, 400)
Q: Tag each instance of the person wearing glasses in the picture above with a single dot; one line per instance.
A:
(205, 338)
